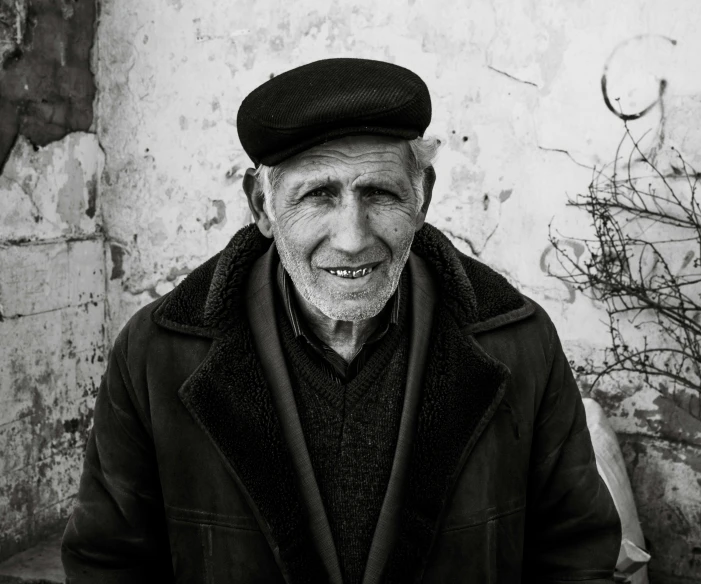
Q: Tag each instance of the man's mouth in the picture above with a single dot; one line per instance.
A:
(350, 273)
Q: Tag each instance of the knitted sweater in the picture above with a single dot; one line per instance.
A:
(351, 434)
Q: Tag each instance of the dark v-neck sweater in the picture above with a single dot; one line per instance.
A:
(351, 433)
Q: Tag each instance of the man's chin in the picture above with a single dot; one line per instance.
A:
(350, 310)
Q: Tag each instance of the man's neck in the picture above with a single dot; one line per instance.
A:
(343, 336)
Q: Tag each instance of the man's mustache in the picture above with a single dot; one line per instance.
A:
(335, 260)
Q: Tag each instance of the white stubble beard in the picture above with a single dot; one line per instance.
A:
(335, 308)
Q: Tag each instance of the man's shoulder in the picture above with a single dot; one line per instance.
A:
(499, 301)
(180, 310)
(184, 308)
(476, 295)
(504, 307)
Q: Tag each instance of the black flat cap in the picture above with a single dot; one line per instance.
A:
(329, 99)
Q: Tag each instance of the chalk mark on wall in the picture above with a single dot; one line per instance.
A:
(604, 80)
(659, 102)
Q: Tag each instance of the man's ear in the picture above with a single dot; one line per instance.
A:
(428, 182)
(256, 202)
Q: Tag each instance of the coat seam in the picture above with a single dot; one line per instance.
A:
(129, 386)
(223, 525)
(501, 515)
(549, 364)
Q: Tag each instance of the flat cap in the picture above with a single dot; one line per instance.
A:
(329, 99)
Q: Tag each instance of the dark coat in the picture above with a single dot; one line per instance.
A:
(196, 469)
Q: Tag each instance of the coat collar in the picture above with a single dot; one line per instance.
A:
(452, 392)
(212, 297)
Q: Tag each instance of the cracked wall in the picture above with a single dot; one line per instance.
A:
(52, 283)
(517, 99)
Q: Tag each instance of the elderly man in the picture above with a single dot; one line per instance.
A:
(340, 395)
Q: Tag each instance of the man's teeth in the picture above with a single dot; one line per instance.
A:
(351, 273)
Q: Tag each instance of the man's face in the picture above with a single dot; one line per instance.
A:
(345, 217)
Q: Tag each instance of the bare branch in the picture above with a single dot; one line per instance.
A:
(643, 264)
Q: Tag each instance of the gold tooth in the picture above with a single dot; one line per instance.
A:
(351, 273)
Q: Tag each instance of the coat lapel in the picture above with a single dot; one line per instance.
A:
(261, 312)
(423, 300)
(460, 388)
(229, 397)
(463, 387)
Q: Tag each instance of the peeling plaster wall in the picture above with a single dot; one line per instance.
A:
(52, 280)
(52, 288)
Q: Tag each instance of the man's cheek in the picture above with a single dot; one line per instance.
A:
(301, 218)
(396, 229)
(393, 219)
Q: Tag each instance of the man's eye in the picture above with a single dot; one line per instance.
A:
(317, 193)
(381, 193)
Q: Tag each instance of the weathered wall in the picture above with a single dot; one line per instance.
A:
(52, 329)
(51, 263)
(516, 90)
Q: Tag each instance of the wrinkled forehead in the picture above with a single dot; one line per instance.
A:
(352, 156)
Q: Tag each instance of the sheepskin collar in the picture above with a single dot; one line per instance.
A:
(212, 297)
(453, 389)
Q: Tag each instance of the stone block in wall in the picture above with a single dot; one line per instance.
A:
(656, 413)
(27, 441)
(44, 277)
(49, 373)
(667, 490)
(30, 489)
(37, 500)
(51, 192)
(51, 362)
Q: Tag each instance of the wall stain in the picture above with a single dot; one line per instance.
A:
(220, 218)
(176, 273)
(117, 256)
(78, 425)
(505, 195)
(577, 248)
(672, 422)
(92, 197)
(70, 195)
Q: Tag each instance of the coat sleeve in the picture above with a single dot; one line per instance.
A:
(116, 533)
(573, 531)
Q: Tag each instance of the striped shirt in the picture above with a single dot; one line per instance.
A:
(331, 362)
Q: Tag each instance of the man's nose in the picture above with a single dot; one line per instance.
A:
(350, 229)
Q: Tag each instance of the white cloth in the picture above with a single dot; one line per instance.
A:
(609, 461)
